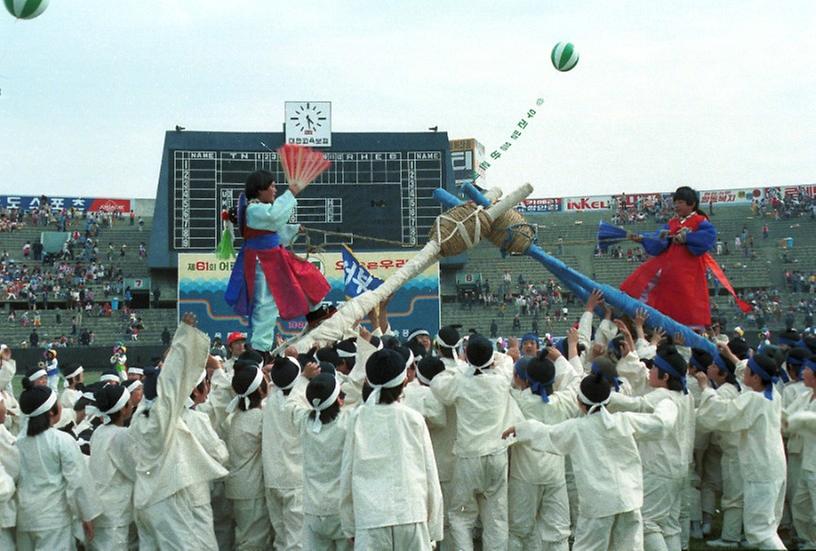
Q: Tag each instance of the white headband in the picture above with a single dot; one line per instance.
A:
(75, 372)
(37, 374)
(319, 406)
(592, 405)
(443, 344)
(344, 354)
(410, 360)
(133, 385)
(109, 377)
(123, 399)
(280, 389)
(472, 369)
(88, 395)
(136, 370)
(45, 406)
(418, 333)
(253, 386)
(422, 379)
(376, 390)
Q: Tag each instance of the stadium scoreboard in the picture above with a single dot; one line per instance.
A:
(385, 194)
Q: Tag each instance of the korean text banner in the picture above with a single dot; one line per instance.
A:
(82, 204)
(202, 280)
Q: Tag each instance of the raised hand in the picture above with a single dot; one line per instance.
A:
(594, 300)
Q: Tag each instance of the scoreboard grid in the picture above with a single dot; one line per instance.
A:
(385, 194)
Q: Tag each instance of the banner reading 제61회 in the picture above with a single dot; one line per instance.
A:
(203, 278)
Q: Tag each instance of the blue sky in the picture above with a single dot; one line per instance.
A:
(708, 94)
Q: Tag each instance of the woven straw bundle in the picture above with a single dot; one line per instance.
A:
(511, 233)
(459, 228)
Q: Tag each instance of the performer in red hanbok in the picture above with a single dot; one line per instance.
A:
(674, 279)
(268, 281)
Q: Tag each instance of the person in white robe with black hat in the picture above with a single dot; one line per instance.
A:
(54, 485)
(8, 368)
(171, 465)
(756, 414)
(113, 470)
(481, 396)
(665, 460)
(606, 461)
(74, 378)
(282, 457)
(316, 407)
(244, 486)
(9, 474)
(389, 489)
(801, 422)
(539, 508)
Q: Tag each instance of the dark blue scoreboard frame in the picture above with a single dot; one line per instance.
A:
(380, 185)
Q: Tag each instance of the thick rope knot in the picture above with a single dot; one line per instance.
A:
(460, 228)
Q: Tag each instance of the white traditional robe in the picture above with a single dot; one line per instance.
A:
(388, 477)
(111, 463)
(170, 463)
(762, 457)
(55, 485)
(608, 472)
(10, 467)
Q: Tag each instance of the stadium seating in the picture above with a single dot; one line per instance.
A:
(578, 232)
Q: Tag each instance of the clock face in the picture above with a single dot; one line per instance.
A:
(308, 122)
(308, 117)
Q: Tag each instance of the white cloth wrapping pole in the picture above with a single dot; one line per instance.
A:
(333, 329)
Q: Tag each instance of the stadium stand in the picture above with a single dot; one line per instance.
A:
(776, 273)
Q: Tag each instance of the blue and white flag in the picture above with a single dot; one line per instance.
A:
(357, 279)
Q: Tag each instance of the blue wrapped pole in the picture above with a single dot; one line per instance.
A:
(576, 280)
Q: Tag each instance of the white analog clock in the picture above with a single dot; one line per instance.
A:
(308, 123)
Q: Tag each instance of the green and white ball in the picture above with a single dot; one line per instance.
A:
(25, 9)
(564, 56)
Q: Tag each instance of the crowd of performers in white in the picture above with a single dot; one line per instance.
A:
(617, 437)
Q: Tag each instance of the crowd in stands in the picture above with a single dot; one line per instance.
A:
(80, 278)
(779, 205)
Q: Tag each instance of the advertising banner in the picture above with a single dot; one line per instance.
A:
(551, 204)
(587, 203)
(729, 196)
(202, 280)
(82, 204)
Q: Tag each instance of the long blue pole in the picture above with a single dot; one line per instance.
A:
(581, 285)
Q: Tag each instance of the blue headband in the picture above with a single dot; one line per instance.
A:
(614, 381)
(762, 374)
(720, 362)
(696, 363)
(666, 367)
(791, 342)
(520, 370)
(797, 364)
(810, 364)
(529, 337)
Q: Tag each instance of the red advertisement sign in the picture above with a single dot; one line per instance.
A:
(109, 205)
(586, 203)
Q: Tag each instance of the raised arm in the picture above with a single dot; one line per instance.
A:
(701, 240)
(183, 365)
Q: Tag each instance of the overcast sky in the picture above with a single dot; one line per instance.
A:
(708, 94)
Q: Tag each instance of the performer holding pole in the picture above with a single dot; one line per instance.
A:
(674, 281)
